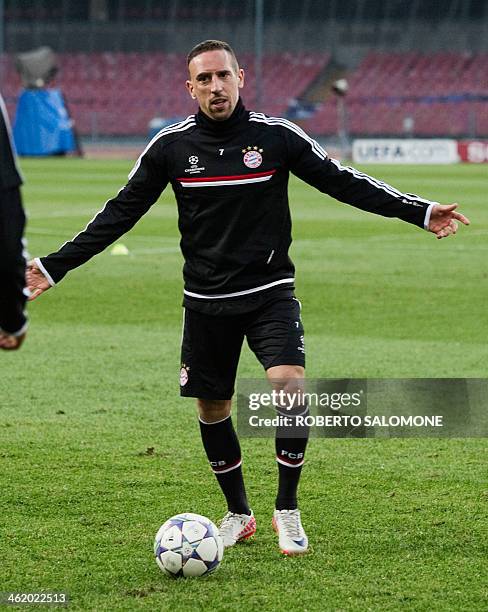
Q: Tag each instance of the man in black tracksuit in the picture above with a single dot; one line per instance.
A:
(13, 322)
(229, 170)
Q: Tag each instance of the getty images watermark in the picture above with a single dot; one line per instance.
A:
(363, 408)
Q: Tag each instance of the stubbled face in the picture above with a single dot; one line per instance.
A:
(215, 81)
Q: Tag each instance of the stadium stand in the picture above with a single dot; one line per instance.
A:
(119, 93)
(446, 94)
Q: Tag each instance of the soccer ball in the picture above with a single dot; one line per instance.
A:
(188, 545)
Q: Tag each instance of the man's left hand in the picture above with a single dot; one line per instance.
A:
(444, 218)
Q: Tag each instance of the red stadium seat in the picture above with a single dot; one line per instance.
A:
(388, 87)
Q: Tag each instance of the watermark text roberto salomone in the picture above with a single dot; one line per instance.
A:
(363, 407)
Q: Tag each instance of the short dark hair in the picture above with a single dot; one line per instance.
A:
(212, 45)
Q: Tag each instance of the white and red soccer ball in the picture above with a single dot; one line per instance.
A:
(188, 545)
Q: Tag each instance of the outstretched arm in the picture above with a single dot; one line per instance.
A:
(311, 163)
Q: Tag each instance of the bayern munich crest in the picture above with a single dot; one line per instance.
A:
(252, 157)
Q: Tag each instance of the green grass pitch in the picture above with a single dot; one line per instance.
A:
(394, 524)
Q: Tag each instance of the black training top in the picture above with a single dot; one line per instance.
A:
(230, 179)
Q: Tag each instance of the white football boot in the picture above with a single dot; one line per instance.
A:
(292, 537)
(235, 527)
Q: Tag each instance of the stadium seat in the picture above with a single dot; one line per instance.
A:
(437, 90)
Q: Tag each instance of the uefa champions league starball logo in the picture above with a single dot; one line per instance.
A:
(252, 157)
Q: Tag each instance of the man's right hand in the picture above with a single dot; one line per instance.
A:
(36, 282)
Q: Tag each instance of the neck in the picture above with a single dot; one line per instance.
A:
(237, 115)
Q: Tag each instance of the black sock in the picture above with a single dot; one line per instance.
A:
(290, 443)
(224, 453)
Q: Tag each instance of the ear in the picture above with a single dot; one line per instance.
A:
(189, 86)
(241, 78)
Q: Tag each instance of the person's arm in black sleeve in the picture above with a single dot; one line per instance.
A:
(13, 321)
(146, 182)
(310, 162)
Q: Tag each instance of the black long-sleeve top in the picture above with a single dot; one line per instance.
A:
(230, 179)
